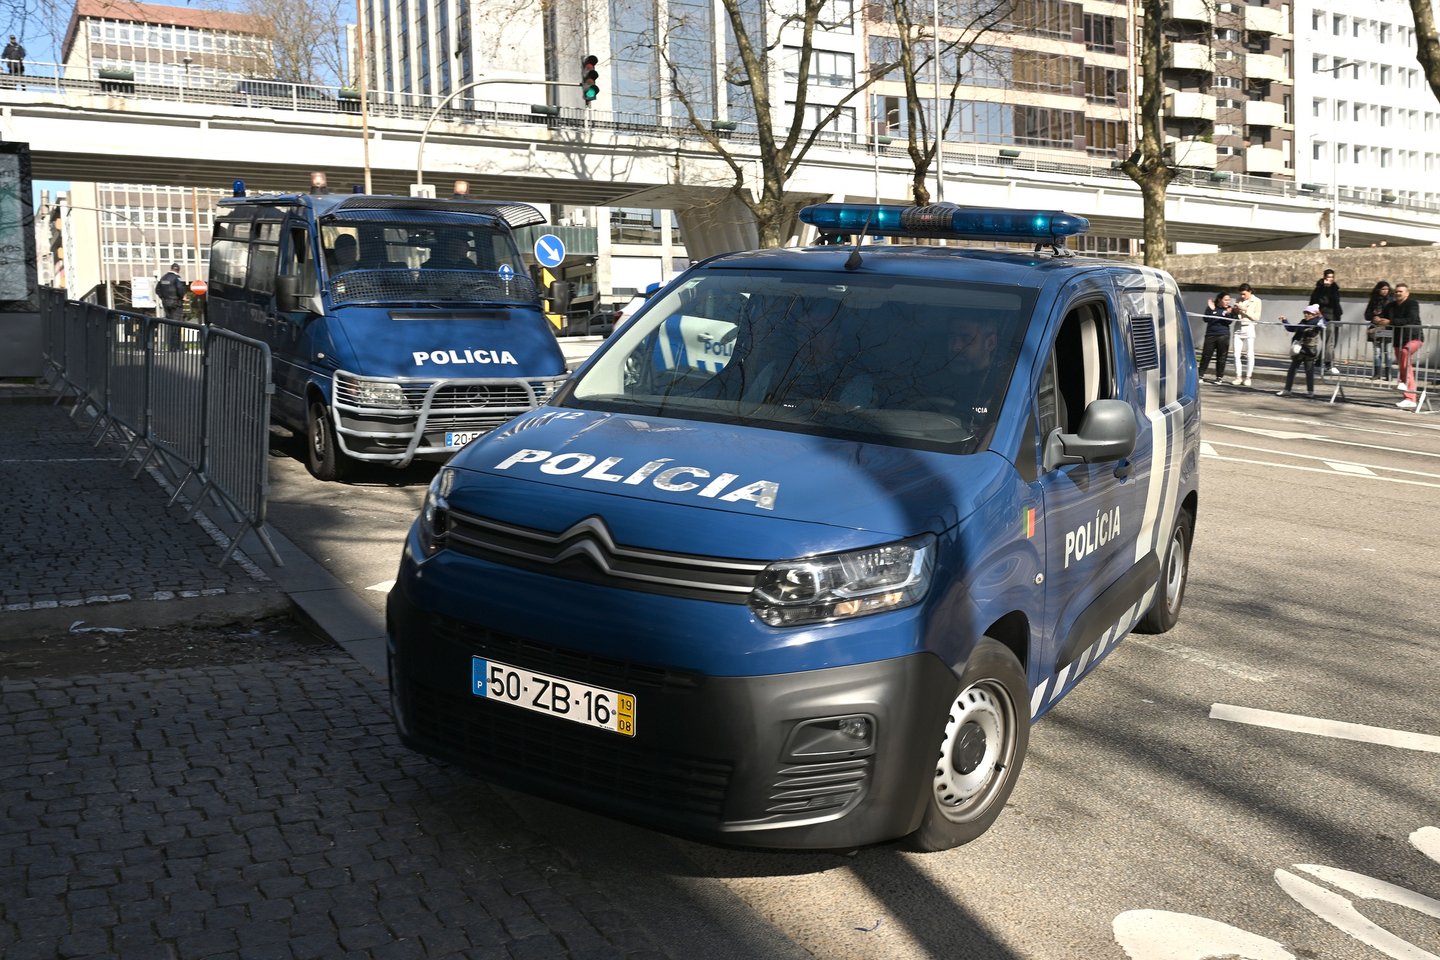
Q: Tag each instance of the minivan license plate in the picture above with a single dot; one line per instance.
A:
(458, 438)
(593, 706)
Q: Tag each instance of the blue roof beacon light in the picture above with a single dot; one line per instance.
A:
(946, 221)
(237, 189)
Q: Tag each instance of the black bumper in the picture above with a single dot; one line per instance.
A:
(724, 759)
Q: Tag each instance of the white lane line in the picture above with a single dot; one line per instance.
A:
(1317, 438)
(1339, 729)
(382, 587)
(1206, 450)
(1427, 841)
(1337, 424)
(1330, 461)
(1359, 470)
(1204, 659)
(1327, 472)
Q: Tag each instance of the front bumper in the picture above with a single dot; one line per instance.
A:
(433, 412)
(724, 759)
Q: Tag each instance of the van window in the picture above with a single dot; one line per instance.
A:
(399, 260)
(264, 257)
(1079, 371)
(298, 260)
(914, 363)
(230, 251)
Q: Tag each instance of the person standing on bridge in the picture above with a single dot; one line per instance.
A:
(14, 57)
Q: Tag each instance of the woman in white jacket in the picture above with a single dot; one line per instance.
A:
(1242, 335)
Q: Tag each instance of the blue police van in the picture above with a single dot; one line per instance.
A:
(798, 557)
(400, 328)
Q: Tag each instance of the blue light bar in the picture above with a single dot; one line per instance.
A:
(237, 189)
(945, 221)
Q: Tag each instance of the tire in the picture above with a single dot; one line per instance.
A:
(322, 453)
(982, 747)
(1164, 612)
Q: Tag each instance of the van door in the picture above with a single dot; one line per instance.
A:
(294, 330)
(1093, 584)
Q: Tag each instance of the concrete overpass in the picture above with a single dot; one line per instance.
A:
(154, 134)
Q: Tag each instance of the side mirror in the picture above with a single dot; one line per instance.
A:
(1106, 433)
(290, 297)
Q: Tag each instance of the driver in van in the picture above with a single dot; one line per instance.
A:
(969, 365)
(346, 254)
(450, 253)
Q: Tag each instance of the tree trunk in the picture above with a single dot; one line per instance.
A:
(1427, 44)
(1147, 164)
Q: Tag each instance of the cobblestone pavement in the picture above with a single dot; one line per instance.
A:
(266, 810)
(79, 530)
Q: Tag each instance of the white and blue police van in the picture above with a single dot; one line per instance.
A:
(813, 596)
(400, 328)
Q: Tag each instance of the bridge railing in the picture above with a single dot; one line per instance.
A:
(270, 94)
(192, 398)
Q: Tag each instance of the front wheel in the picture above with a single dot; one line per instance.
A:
(322, 453)
(1164, 613)
(987, 732)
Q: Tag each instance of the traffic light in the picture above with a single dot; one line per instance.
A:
(589, 88)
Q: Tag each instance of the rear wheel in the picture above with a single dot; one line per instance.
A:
(322, 453)
(982, 747)
(1164, 613)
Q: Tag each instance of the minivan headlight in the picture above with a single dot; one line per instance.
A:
(842, 585)
(435, 512)
(379, 393)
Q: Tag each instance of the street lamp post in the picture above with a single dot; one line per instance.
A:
(1334, 232)
(939, 133)
(425, 133)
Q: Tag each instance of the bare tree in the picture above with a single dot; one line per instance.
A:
(1148, 164)
(309, 40)
(1427, 43)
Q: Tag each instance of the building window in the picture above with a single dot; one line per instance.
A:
(827, 68)
(1101, 33)
(1229, 83)
(632, 225)
(841, 127)
(1226, 35)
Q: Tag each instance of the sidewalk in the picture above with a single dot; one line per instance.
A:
(261, 805)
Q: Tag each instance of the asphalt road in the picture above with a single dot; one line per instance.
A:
(1202, 794)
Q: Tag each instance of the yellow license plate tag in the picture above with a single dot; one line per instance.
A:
(577, 702)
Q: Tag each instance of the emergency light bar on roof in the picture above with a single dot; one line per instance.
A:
(944, 221)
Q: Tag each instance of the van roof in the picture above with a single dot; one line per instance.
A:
(514, 214)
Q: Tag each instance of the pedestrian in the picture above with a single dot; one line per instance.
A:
(1305, 348)
(1242, 343)
(172, 297)
(1404, 316)
(14, 57)
(1327, 294)
(1378, 333)
(1220, 312)
(1250, 308)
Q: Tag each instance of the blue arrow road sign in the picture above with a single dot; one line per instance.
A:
(506, 271)
(549, 250)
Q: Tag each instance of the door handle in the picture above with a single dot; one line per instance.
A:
(1122, 470)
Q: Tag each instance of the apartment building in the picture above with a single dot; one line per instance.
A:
(122, 231)
(1367, 121)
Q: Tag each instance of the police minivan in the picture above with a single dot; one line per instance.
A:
(399, 327)
(813, 596)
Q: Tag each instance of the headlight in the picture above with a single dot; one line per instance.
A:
(379, 393)
(435, 513)
(843, 585)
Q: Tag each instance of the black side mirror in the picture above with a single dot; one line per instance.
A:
(292, 295)
(1106, 433)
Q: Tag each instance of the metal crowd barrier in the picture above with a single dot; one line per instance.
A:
(191, 398)
(1363, 365)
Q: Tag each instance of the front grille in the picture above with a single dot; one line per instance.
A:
(585, 551)
(449, 404)
(547, 658)
(808, 787)
(572, 758)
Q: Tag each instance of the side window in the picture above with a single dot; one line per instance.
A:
(264, 258)
(298, 258)
(1079, 371)
(230, 252)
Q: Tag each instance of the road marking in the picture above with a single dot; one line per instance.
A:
(1162, 935)
(1206, 450)
(1342, 465)
(1324, 470)
(382, 587)
(1291, 435)
(1204, 659)
(1338, 729)
(1427, 841)
(1352, 468)
(1337, 424)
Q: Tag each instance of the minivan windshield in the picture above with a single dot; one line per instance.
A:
(902, 361)
(443, 260)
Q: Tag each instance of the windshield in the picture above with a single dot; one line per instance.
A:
(907, 362)
(393, 261)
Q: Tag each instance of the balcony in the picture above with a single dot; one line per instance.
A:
(1191, 106)
(1193, 153)
(1264, 160)
(1190, 56)
(1262, 113)
(1195, 11)
(1262, 66)
(1267, 20)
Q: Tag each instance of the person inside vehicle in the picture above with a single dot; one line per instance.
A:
(345, 254)
(450, 252)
